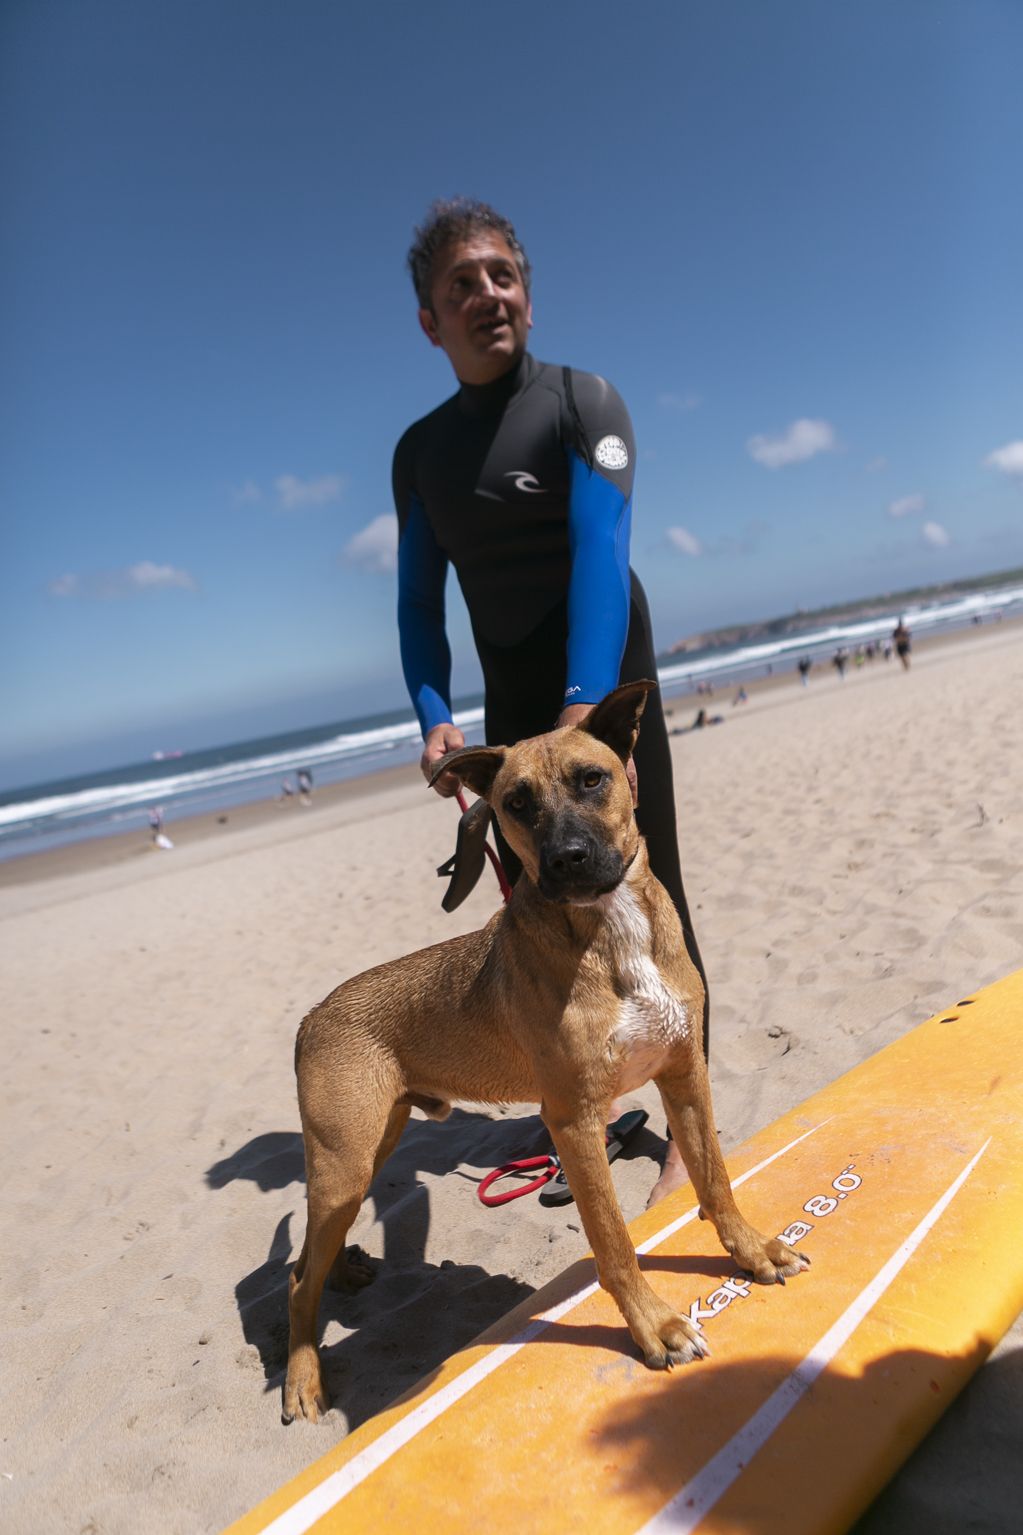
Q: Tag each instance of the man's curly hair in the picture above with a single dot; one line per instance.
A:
(451, 219)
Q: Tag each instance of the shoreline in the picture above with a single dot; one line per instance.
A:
(270, 817)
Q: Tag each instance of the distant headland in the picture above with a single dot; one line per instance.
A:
(807, 620)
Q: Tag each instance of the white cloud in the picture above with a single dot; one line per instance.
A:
(375, 547)
(1008, 459)
(803, 440)
(146, 576)
(680, 402)
(906, 506)
(684, 540)
(295, 493)
(245, 495)
(935, 535)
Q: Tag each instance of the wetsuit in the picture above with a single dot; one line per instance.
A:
(524, 485)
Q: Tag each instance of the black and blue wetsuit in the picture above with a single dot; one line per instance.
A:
(524, 485)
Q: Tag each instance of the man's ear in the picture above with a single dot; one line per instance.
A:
(475, 765)
(615, 720)
(428, 323)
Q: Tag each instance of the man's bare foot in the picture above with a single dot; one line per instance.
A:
(673, 1175)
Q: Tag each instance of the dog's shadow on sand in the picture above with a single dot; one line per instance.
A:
(390, 1343)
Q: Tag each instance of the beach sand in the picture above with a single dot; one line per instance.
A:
(853, 858)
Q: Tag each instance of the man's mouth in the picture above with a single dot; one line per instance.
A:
(492, 327)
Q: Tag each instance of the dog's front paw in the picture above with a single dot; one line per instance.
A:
(669, 1339)
(304, 1393)
(770, 1262)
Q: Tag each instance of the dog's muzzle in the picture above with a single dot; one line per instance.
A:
(575, 866)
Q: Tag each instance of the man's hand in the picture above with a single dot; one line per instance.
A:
(574, 714)
(439, 741)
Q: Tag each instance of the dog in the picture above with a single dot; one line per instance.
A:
(579, 990)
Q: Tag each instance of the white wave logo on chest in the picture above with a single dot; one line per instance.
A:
(651, 1020)
(525, 481)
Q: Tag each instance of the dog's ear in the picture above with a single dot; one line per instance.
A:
(615, 720)
(475, 765)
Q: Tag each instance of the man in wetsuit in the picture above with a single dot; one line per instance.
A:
(523, 482)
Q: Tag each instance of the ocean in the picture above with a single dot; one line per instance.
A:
(46, 815)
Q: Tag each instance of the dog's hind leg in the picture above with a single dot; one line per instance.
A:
(328, 1223)
(348, 1271)
(342, 1153)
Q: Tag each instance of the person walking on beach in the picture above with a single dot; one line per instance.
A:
(901, 641)
(522, 481)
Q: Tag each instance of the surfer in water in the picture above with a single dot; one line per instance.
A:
(522, 481)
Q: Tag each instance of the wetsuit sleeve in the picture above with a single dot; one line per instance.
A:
(422, 572)
(601, 466)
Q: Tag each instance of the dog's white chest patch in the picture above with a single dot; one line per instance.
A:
(651, 1020)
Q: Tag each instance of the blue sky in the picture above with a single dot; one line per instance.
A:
(788, 232)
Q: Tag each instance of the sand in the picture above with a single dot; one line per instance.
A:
(853, 856)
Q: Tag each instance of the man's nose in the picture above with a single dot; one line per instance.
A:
(485, 288)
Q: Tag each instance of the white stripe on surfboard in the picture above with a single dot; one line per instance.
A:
(301, 1516)
(689, 1506)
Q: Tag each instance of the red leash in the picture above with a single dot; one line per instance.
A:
(551, 1168)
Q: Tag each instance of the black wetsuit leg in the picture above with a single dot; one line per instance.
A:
(524, 693)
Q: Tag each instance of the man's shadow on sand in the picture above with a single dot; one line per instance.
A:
(391, 1343)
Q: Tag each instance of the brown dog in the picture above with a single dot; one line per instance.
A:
(579, 990)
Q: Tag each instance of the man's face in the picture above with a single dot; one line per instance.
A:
(481, 314)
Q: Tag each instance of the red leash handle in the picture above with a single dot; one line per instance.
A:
(551, 1167)
(502, 878)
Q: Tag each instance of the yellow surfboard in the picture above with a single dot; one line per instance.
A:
(903, 1181)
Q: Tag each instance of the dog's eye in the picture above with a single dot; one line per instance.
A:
(592, 779)
(516, 803)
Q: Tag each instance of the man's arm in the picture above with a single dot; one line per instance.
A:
(601, 465)
(425, 653)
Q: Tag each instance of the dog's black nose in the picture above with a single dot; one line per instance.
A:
(568, 860)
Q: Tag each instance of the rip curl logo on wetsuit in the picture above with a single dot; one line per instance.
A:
(525, 481)
(611, 453)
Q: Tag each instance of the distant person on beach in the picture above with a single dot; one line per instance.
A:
(741, 697)
(158, 836)
(803, 668)
(547, 453)
(287, 793)
(305, 785)
(901, 641)
(838, 661)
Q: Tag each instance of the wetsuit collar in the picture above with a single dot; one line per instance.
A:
(489, 399)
